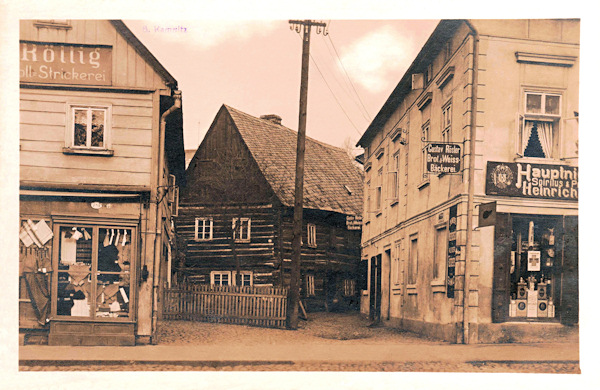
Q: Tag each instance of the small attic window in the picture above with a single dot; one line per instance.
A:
(348, 189)
(53, 23)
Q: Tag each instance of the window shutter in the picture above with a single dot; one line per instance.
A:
(175, 202)
(569, 305)
(501, 277)
(171, 188)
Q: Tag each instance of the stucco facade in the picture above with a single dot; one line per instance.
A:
(481, 80)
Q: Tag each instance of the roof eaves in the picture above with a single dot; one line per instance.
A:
(442, 30)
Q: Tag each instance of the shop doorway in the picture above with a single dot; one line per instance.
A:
(375, 291)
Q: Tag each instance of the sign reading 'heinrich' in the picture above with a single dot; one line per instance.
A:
(544, 181)
(59, 63)
(443, 158)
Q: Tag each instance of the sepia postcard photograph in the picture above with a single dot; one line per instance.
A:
(236, 196)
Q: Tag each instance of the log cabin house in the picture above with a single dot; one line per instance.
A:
(101, 153)
(236, 211)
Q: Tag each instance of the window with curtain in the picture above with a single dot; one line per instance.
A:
(539, 131)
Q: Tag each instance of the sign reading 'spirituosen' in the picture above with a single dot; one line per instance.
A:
(59, 63)
(544, 181)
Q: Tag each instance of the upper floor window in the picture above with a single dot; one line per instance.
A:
(447, 122)
(88, 129)
(312, 235)
(425, 132)
(539, 129)
(241, 229)
(378, 191)
(203, 229)
(393, 178)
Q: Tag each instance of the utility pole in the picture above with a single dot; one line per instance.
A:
(294, 292)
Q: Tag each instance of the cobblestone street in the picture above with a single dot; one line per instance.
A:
(326, 342)
(508, 367)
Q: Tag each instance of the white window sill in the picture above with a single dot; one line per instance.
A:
(423, 184)
(89, 152)
(241, 241)
(394, 202)
(438, 286)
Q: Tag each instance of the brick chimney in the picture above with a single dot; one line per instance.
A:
(272, 118)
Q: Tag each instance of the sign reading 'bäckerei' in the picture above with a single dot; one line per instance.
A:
(59, 63)
(543, 181)
(443, 158)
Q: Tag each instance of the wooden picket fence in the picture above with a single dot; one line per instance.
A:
(249, 305)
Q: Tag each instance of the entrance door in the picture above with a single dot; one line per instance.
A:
(375, 292)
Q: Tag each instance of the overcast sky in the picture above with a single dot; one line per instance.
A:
(254, 66)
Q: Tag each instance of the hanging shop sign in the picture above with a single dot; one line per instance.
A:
(542, 181)
(60, 63)
(452, 251)
(354, 222)
(443, 158)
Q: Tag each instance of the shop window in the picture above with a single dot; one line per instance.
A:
(534, 267)
(241, 229)
(310, 285)
(94, 271)
(539, 128)
(440, 251)
(88, 130)
(220, 278)
(312, 235)
(203, 229)
(413, 262)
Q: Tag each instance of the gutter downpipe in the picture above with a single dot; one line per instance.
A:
(159, 191)
(471, 183)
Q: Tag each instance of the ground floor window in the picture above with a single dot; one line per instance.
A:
(310, 285)
(228, 278)
(94, 270)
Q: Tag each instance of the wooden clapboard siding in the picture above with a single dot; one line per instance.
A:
(43, 115)
(129, 69)
(81, 176)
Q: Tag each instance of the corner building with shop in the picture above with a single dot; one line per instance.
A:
(488, 253)
(101, 159)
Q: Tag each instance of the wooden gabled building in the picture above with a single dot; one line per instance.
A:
(236, 211)
(101, 153)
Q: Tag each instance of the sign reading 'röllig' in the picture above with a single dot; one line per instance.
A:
(59, 63)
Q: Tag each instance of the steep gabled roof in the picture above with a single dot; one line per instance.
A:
(331, 180)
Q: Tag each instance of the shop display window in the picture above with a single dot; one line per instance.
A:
(94, 275)
(534, 267)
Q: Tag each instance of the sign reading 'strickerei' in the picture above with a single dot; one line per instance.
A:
(59, 63)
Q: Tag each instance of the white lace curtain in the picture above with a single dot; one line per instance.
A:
(544, 130)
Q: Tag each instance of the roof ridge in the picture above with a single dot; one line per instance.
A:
(286, 128)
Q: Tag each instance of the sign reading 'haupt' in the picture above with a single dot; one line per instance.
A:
(527, 180)
(57, 63)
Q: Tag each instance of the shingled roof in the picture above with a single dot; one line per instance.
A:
(331, 180)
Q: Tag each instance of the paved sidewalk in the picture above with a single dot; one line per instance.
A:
(551, 352)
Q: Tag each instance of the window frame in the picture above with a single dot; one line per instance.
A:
(425, 133)
(197, 225)
(240, 237)
(541, 117)
(213, 274)
(439, 269)
(71, 148)
(413, 260)
(447, 122)
(310, 285)
(311, 235)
